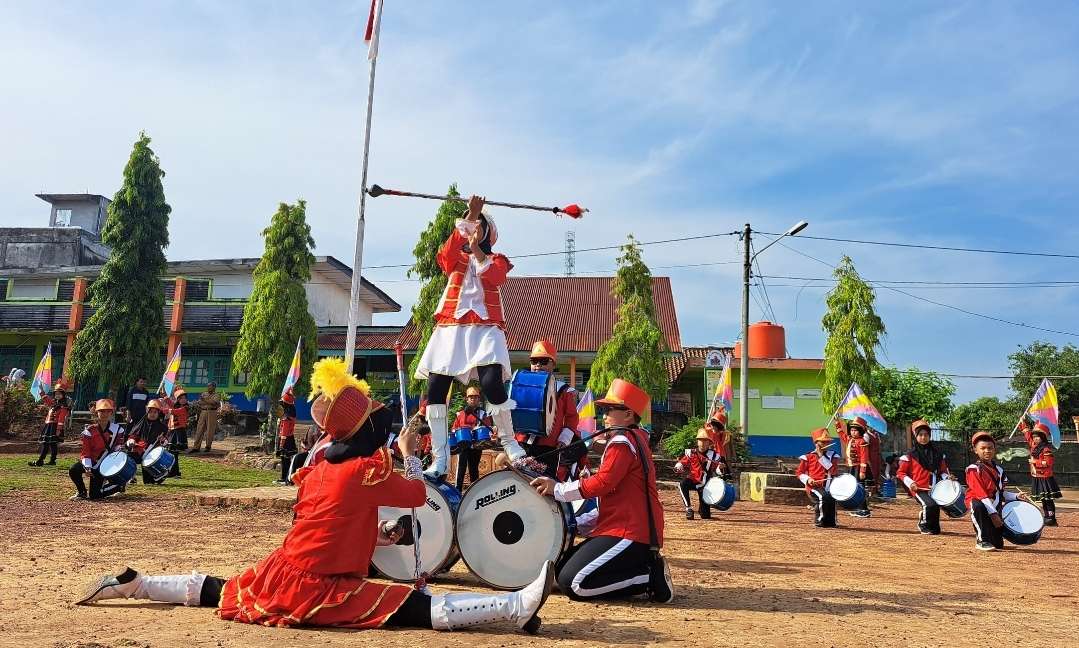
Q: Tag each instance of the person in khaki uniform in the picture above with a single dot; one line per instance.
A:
(209, 404)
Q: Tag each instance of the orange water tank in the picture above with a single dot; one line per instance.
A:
(766, 340)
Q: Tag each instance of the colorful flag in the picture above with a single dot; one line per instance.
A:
(42, 383)
(172, 369)
(586, 413)
(724, 395)
(370, 36)
(856, 404)
(293, 376)
(1045, 408)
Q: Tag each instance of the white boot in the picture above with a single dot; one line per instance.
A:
(455, 611)
(181, 590)
(502, 416)
(440, 441)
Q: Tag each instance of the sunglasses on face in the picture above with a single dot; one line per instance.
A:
(541, 361)
(612, 408)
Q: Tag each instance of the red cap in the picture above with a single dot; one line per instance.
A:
(544, 349)
(1042, 429)
(982, 436)
(859, 422)
(920, 423)
(625, 393)
(288, 397)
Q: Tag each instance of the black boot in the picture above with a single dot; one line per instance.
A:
(689, 514)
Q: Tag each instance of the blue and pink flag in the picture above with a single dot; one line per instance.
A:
(293, 375)
(857, 405)
(172, 369)
(42, 383)
(586, 413)
(1045, 408)
(724, 395)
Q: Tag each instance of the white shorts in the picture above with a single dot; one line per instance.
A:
(458, 349)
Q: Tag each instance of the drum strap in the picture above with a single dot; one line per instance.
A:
(653, 536)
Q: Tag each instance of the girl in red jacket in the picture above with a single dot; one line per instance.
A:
(920, 469)
(53, 430)
(1043, 483)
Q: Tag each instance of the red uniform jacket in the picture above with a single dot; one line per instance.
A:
(286, 426)
(720, 440)
(986, 484)
(58, 410)
(1041, 464)
(912, 474)
(318, 575)
(177, 415)
(818, 468)
(454, 263)
(566, 420)
(466, 419)
(96, 443)
(619, 485)
(702, 465)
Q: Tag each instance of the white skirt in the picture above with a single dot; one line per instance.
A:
(457, 350)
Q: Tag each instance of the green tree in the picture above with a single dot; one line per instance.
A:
(1038, 359)
(122, 339)
(428, 271)
(988, 413)
(636, 347)
(276, 315)
(904, 396)
(854, 331)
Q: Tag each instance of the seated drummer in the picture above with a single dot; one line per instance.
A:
(471, 417)
(150, 431)
(617, 560)
(703, 463)
(816, 470)
(544, 357)
(986, 481)
(98, 439)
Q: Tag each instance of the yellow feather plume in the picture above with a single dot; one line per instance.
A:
(329, 376)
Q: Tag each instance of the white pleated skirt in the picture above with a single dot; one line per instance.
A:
(458, 349)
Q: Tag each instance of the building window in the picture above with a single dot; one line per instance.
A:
(12, 357)
(204, 366)
(63, 217)
(241, 378)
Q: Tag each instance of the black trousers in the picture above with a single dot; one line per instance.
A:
(604, 567)
(99, 487)
(929, 519)
(687, 485)
(46, 448)
(550, 461)
(984, 531)
(824, 508)
(286, 450)
(415, 612)
(491, 385)
(468, 459)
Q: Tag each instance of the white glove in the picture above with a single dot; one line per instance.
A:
(679, 468)
(130, 442)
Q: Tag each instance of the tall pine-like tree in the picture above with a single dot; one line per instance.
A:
(426, 268)
(276, 315)
(636, 348)
(854, 331)
(123, 339)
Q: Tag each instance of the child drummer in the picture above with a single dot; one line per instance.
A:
(1043, 483)
(703, 462)
(816, 470)
(920, 469)
(985, 493)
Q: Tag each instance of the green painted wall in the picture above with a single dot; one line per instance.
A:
(806, 415)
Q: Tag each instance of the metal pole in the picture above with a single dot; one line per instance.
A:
(743, 378)
(357, 262)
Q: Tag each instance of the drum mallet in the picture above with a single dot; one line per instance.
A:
(399, 350)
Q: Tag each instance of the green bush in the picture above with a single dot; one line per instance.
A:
(16, 405)
(686, 437)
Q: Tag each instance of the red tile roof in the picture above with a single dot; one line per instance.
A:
(576, 313)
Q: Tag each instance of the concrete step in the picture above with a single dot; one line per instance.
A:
(784, 495)
(264, 497)
(751, 485)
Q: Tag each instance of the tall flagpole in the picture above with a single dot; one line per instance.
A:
(357, 262)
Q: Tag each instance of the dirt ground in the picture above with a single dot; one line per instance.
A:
(757, 575)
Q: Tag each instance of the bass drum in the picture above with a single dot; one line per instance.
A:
(534, 392)
(506, 530)
(435, 519)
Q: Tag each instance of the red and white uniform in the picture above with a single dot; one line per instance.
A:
(720, 439)
(469, 320)
(914, 475)
(57, 413)
(820, 468)
(319, 574)
(986, 484)
(1042, 464)
(701, 465)
(96, 443)
(176, 414)
(467, 419)
(566, 420)
(619, 486)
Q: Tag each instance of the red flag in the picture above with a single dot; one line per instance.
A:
(370, 35)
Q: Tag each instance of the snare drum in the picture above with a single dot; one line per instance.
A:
(460, 439)
(481, 438)
(438, 553)
(118, 468)
(1023, 523)
(719, 493)
(534, 393)
(157, 462)
(950, 496)
(506, 530)
(847, 491)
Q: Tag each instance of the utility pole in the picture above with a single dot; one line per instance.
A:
(743, 369)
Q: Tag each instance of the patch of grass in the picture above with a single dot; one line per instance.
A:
(52, 482)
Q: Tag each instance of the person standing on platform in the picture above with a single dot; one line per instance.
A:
(209, 404)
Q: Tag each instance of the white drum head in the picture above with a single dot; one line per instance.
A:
(506, 530)
(549, 404)
(946, 491)
(843, 487)
(152, 456)
(714, 491)
(112, 464)
(435, 520)
(1022, 517)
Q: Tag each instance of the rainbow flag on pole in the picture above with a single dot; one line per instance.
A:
(586, 413)
(856, 404)
(1045, 408)
(724, 396)
(293, 375)
(172, 369)
(42, 383)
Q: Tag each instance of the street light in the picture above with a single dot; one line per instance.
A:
(747, 274)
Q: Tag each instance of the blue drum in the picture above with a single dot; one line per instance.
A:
(887, 489)
(460, 439)
(847, 492)
(435, 520)
(118, 468)
(481, 438)
(157, 462)
(719, 493)
(1023, 522)
(534, 393)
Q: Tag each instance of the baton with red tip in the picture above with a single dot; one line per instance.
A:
(573, 211)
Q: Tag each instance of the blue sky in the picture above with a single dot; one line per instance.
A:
(941, 123)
